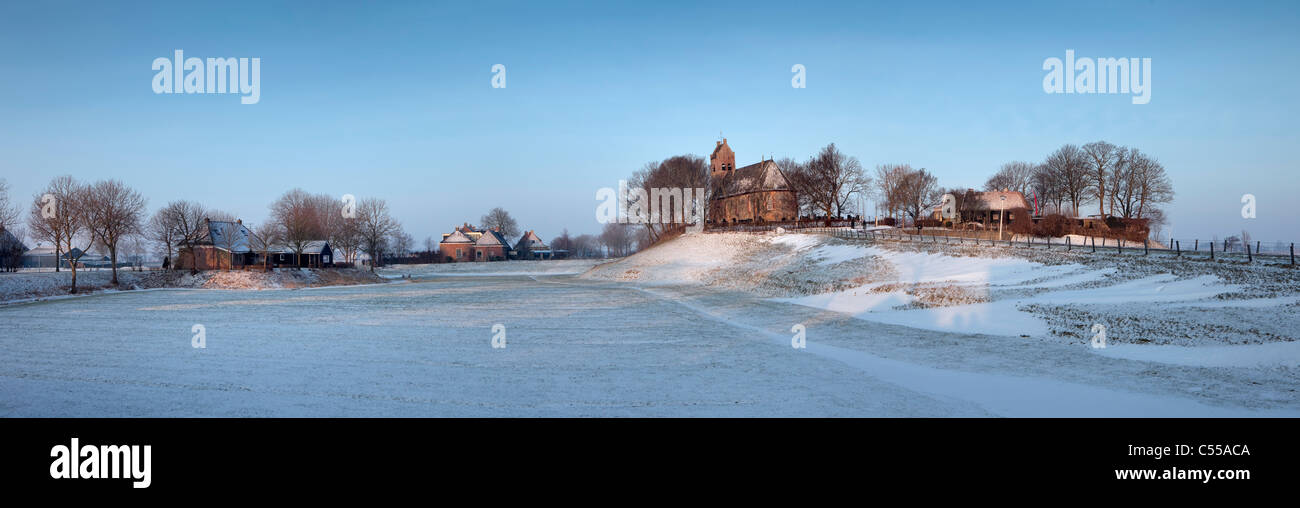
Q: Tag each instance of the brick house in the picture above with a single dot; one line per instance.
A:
(986, 207)
(759, 192)
(492, 246)
(458, 245)
(531, 246)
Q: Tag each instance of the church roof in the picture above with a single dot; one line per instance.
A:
(757, 177)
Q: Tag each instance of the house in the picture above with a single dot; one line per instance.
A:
(11, 251)
(225, 245)
(315, 254)
(530, 246)
(985, 208)
(492, 246)
(759, 192)
(458, 245)
(43, 257)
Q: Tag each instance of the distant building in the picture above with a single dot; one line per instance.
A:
(531, 246)
(458, 245)
(492, 246)
(11, 251)
(759, 192)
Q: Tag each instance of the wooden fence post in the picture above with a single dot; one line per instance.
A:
(1178, 249)
(1094, 244)
(1249, 258)
(1211, 251)
(1196, 246)
(1292, 253)
(1146, 249)
(1256, 246)
(1067, 243)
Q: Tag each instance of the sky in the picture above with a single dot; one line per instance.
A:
(395, 100)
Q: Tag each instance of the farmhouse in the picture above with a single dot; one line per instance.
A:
(225, 245)
(230, 245)
(530, 246)
(458, 245)
(315, 254)
(985, 208)
(492, 246)
(759, 192)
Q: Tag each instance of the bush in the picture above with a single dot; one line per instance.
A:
(1022, 222)
(887, 221)
(1052, 226)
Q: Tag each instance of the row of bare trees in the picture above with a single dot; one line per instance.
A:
(1121, 181)
(75, 216)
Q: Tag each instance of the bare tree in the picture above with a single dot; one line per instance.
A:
(375, 226)
(1046, 186)
(347, 239)
(563, 242)
(497, 218)
(401, 243)
(829, 181)
(1069, 165)
(1015, 176)
(65, 220)
(187, 224)
(9, 212)
(616, 238)
(264, 239)
(298, 215)
(162, 231)
(919, 192)
(1100, 158)
(676, 172)
(889, 183)
(114, 211)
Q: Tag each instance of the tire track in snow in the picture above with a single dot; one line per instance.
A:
(1000, 394)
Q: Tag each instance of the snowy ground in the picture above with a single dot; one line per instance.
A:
(32, 285)
(532, 267)
(673, 332)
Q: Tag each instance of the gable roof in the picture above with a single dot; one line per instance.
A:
(757, 177)
(7, 238)
(530, 241)
(493, 237)
(992, 200)
(232, 235)
(457, 236)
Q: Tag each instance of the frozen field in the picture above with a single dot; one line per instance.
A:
(574, 347)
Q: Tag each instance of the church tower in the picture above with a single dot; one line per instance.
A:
(722, 162)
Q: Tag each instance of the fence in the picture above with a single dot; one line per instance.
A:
(1280, 253)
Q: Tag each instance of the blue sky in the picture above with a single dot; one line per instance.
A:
(393, 99)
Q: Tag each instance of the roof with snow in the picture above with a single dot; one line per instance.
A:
(757, 177)
(493, 237)
(530, 241)
(992, 200)
(232, 236)
(457, 236)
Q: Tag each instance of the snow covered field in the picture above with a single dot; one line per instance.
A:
(701, 326)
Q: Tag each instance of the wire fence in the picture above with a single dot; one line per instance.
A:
(1280, 253)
